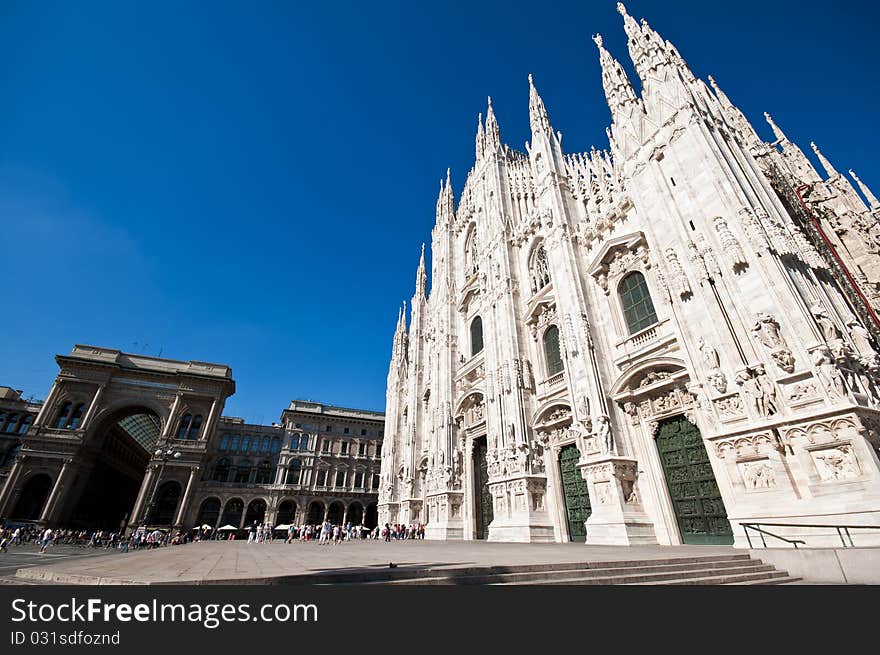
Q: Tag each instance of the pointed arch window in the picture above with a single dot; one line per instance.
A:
(552, 353)
(539, 269)
(635, 301)
(476, 336)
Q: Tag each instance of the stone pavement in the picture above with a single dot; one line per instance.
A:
(238, 562)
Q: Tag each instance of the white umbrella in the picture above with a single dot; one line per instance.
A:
(228, 527)
(283, 526)
(207, 527)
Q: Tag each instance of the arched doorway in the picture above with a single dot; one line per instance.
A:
(114, 457)
(165, 505)
(256, 512)
(483, 511)
(699, 509)
(286, 512)
(335, 513)
(355, 513)
(209, 512)
(575, 493)
(232, 513)
(371, 519)
(316, 513)
(33, 498)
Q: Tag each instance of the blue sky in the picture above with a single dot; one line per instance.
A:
(251, 184)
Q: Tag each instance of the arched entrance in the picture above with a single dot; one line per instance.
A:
(165, 505)
(33, 498)
(575, 493)
(371, 518)
(316, 513)
(256, 512)
(209, 512)
(232, 513)
(335, 513)
(483, 511)
(355, 513)
(286, 513)
(699, 509)
(114, 457)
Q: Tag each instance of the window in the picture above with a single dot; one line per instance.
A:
(276, 445)
(363, 433)
(325, 447)
(224, 442)
(78, 412)
(329, 428)
(344, 448)
(25, 423)
(470, 254)
(221, 471)
(340, 478)
(322, 478)
(345, 431)
(184, 426)
(539, 269)
(551, 351)
(233, 443)
(476, 336)
(195, 427)
(378, 450)
(11, 420)
(63, 415)
(243, 472)
(359, 479)
(304, 442)
(294, 471)
(255, 445)
(294, 442)
(266, 444)
(362, 449)
(264, 473)
(375, 481)
(638, 310)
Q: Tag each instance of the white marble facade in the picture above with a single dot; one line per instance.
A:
(536, 333)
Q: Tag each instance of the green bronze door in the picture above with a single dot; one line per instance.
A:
(699, 510)
(574, 490)
(482, 497)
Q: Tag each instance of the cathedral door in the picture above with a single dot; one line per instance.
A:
(574, 489)
(699, 510)
(482, 497)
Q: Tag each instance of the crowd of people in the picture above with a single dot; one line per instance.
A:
(140, 539)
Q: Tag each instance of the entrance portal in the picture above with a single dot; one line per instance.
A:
(575, 493)
(482, 498)
(33, 497)
(699, 510)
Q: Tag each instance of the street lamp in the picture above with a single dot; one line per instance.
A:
(164, 455)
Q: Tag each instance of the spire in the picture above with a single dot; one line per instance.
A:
(646, 48)
(722, 97)
(618, 90)
(445, 201)
(779, 134)
(481, 137)
(538, 118)
(493, 132)
(873, 203)
(421, 276)
(829, 169)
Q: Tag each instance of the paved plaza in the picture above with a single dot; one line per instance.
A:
(27, 556)
(300, 562)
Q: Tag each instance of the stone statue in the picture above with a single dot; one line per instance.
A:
(861, 338)
(604, 438)
(709, 354)
(767, 392)
(828, 373)
(766, 330)
(826, 325)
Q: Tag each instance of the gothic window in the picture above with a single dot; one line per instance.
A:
(470, 254)
(294, 471)
(184, 426)
(63, 415)
(539, 269)
(476, 336)
(552, 354)
(221, 471)
(193, 432)
(635, 300)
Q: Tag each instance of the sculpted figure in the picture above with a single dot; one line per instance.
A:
(604, 438)
(709, 354)
(861, 338)
(828, 373)
(766, 330)
(826, 325)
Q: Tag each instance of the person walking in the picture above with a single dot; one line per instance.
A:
(47, 539)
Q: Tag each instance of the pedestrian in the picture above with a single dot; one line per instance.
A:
(46, 540)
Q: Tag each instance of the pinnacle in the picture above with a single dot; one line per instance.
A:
(597, 39)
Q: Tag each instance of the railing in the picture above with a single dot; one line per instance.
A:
(842, 531)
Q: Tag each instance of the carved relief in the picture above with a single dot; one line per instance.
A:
(766, 332)
(730, 244)
(758, 475)
(837, 463)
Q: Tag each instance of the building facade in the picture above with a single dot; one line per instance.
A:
(124, 440)
(655, 343)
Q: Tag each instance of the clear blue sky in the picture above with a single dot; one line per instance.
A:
(250, 183)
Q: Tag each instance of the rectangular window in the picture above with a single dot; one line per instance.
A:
(359, 479)
(378, 450)
(340, 478)
(329, 428)
(325, 447)
(362, 449)
(375, 481)
(322, 478)
(364, 432)
(343, 450)
(345, 431)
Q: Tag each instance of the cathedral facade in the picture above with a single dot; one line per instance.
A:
(670, 341)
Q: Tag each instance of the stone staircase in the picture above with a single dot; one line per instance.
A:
(695, 570)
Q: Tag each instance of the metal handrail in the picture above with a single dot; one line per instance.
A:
(841, 531)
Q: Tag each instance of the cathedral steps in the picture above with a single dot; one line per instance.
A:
(714, 569)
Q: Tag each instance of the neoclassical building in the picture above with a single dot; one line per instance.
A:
(124, 440)
(655, 343)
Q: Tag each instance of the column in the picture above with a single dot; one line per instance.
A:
(170, 424)
(92, 407)
(146, 485)
(208, 426)
(57, 488)
(11, 481)
(46, 409)
(184, 503)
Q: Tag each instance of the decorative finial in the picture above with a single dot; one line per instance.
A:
(531, 81)
(489, 98)
(423, 249)
(597, 38)
(621, 9)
